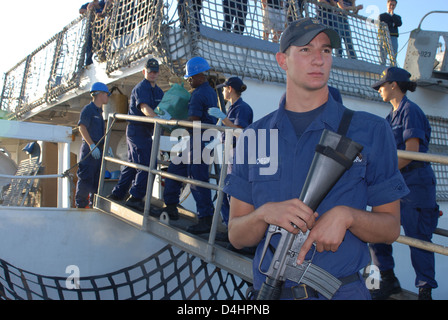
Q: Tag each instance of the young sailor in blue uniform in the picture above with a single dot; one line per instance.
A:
(419, 210)
(91, 126)
(340, 228)
(145, 97)
(239, 115)
(202, 98)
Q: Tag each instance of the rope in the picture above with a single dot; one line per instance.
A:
(66, 173)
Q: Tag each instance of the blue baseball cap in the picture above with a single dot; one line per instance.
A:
(392, 74)
(301, 32)
(234, 82)
(152, 65)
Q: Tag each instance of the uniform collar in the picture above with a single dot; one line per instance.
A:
(393, 113)
(237, 102)
(328, 119)
(402, 102)
(202, 85)
(99, 109)
(150, 84)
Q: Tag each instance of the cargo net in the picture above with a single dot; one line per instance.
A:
(439, 145)
(169, 274)
(234, 36)
(50, 71)
(363, 39)
(126, 31)
(24, 191)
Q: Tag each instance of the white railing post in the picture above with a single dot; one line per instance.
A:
(63, 183)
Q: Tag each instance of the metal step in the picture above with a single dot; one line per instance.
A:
(212, 251)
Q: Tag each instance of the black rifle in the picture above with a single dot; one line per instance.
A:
(334, 155)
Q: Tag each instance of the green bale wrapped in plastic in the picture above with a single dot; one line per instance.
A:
(174, 104)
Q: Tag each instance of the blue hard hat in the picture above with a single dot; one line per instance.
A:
(99, 86)
(195, 66)
(29, 148)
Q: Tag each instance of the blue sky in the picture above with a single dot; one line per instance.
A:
(27, 24)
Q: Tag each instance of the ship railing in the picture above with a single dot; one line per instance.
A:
(432, 158)
(48, 72)
(206, 250)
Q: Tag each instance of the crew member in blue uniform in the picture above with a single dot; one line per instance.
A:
(145, 97)
(97, 7)
(92, 128)
(202, 98)
(235, 12)
(239, 115)
(419, 210)
(266, 191)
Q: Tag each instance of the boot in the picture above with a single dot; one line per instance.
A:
(203, 226)
(135, 203)
(113, 197)
(171, 209)
(389, 285)
(424, 294)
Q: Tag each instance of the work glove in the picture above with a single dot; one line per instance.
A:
(96, 153)
(110, 153)
(163, 114)
(217, 113)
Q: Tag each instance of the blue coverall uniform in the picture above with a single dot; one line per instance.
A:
(139, 141)
(241, 114)
(202, 98)
(89, 52)
(343, 28)
(373, 180)
(89, 169)
(235, 12)
(419, 210)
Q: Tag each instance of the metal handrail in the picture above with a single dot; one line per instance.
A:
(431, 12)
(152, 168)
(419, 156)
(425, 245)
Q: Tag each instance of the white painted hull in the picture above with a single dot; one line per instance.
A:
(47, 245)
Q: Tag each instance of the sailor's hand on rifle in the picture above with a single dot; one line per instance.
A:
(292, 215)
(328, 232)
